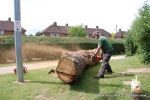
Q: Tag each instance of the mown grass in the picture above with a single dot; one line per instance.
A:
(128, 62)
(42, 86)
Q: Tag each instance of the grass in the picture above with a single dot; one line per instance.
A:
(42, 86)
(41, 52)
(128, 62)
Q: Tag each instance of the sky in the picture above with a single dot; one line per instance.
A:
(36, 15)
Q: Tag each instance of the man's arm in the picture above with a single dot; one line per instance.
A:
(97, 50)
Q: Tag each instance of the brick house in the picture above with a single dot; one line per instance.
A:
(55, 30)
(7, 28)
(61, 31)
(102, 31)
(120, 34)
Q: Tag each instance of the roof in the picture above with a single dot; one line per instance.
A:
(120, 34)
(104, 32)
(54, 28)
(8, 26)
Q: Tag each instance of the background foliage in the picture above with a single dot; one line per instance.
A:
(130, 47)
(77, 31)
(46, 48)
(140, 32)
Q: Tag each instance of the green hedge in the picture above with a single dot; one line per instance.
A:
(74, 46)
(118, 46)
(66, 42)
(56, 40)
(6, 42)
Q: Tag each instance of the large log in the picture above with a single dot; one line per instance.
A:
(72, 64)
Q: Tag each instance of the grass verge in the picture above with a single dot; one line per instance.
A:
(41, 86)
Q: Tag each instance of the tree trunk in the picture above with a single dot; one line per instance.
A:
(72, 64)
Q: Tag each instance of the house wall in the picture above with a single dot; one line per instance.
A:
(62, 35)
(10, 33)
(52, 34)
(119, 35)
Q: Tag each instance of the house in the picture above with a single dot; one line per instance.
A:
(102, 31)
(7, 28)
(61, 31)
(120, 34)
(55, 30)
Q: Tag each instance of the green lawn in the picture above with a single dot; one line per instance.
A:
(42, 86)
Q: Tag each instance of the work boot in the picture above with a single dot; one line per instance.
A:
(99, 76)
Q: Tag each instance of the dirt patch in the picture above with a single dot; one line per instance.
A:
(138, 70)
(41, 97)
(126, 82)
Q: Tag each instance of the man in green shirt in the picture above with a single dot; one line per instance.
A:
(106, 48)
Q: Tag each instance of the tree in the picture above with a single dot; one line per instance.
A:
(37, 34)
(113, 35)
(129, 45)
(77, 31)
(140, 32)
(73, 64)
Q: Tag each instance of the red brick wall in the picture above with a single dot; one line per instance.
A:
(61, 35)
(10, 33)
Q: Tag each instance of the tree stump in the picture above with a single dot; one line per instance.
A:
(72, 64)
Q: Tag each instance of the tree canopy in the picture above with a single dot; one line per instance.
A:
(140, 32)
(77, 31)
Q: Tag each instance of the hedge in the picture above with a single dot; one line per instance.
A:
(118, 46)
(66, 42)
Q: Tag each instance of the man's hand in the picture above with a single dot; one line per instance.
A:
(95, 58)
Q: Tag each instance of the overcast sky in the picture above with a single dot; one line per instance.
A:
(36, 15)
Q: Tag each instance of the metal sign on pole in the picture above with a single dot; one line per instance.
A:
(18, 41)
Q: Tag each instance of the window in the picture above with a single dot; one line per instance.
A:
(54, 34)
(1, 33)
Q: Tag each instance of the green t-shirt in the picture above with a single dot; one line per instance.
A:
(104, 44)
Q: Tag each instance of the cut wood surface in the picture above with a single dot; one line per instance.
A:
(72, 64)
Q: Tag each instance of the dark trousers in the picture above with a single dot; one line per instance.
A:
(105, 64)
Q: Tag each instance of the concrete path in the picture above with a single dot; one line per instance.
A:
(9, 69)
(117, 57)
(53, 63)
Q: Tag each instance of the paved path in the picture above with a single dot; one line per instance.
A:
(53, 63)
(9, 69)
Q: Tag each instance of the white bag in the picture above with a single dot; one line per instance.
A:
(135, 85)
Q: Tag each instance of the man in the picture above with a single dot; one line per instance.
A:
(106, 48)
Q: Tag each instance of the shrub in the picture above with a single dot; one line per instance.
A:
(140, 30)
(6, 42)
(130, 48)
(145, 57)
(118, 46)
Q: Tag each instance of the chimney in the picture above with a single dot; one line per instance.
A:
(86, 26)
(9, 19)
(97, 27)
(119, 30)
(55, 23)
(66, 25)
